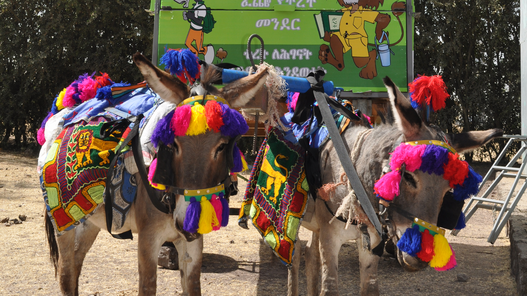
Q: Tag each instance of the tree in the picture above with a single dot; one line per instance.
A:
(46, 44)
(475, 46)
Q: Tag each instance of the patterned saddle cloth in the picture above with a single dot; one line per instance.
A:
(74, 171)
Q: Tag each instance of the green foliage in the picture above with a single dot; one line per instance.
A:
(475, 46)
(46, 44)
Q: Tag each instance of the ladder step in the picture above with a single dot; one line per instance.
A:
(506, 168)
(514, 175)
(490, 207)
(488, 200)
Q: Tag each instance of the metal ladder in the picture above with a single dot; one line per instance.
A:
(505, 210)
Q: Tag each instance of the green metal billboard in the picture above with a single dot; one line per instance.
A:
(357, 44)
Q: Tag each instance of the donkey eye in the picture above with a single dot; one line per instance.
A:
(410, 180)
(222, 147)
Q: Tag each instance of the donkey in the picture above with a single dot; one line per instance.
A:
(199, 161)
(420, 195)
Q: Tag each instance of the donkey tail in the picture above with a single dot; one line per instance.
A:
(52, 241)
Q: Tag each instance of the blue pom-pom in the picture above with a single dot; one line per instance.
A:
(172, 61)
(469, 187)
(191, 222)
(163, 132)
(190, 61)
(104, 93)
(410, 242)
(460, 222)
(54, 108)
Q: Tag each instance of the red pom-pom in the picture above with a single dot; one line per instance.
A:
(103, 80)
(214, 115)
(455, 170)
(427, 247)
(431, 89)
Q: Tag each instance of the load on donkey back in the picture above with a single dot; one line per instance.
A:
(153, 159)
(408, 186)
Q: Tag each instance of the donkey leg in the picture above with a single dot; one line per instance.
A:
(66, 264)
(312, 258)
(190, 259)
(85, 235)
(292, 273)
(148, 250)
(330, 243)
(368, 264)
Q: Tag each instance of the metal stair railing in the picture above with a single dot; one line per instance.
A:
(505, 209)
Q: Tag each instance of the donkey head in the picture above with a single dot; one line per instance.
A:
(200, 133)
(425, 167)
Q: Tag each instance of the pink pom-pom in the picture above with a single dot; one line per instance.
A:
(181, 120)
(218, 208)
(88, 89)
(451, 263)
(294, 100)
(41, 138)
(409, 155)
(387, 187)
(152, 170)
(68, 100)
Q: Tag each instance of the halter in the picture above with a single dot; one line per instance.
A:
(208, 208)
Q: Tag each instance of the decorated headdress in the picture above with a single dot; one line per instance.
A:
(424, 240)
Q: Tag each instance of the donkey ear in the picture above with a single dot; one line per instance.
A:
(168, 87)
(405, 116)
(472, 140)
(241, 91)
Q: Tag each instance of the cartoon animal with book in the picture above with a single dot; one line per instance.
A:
(351, 35)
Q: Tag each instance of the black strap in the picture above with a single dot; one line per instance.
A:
(108, 206)
(138, 156)
(341, 109)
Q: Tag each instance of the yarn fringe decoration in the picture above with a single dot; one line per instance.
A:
(196, 119)
(191, 222)
(218, 210)
(79, 91)
(182, 63)
(225, 212)
(430, 158)
(207, 219)
(204, 216)
(429, 90)
(433, 249)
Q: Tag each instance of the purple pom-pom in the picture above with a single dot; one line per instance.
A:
(233, 122)
(236, 159)
(163, 133)
(225, 212)
(410, 242)
(191, 222)
(433, 159)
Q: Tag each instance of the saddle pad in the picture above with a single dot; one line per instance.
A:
(74, 174)
(276, 195)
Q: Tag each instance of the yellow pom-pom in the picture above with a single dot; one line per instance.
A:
(442, 252)
(244, 163)
(198, 121)
(60, 98)
(208, 218)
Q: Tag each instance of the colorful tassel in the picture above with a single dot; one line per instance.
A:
(182, 63)
(192, 216)
(87, 89)
(455, 170)
(218, 210)
(225, 213)
(451, 263)
(410, 242)
(181, 120)
(427, 247)
(442, 252)
(408, 155)
(433, 159)
(198, 121)
(469, 187)
(237, 160)
(233, 122)
(430, 90)
(214, 115)
(207, 219)
(163, 132)
(387, 187)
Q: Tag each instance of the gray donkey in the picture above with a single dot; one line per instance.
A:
(199, 161)
(420, 195)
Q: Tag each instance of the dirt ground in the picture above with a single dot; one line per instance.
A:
(236, 261)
